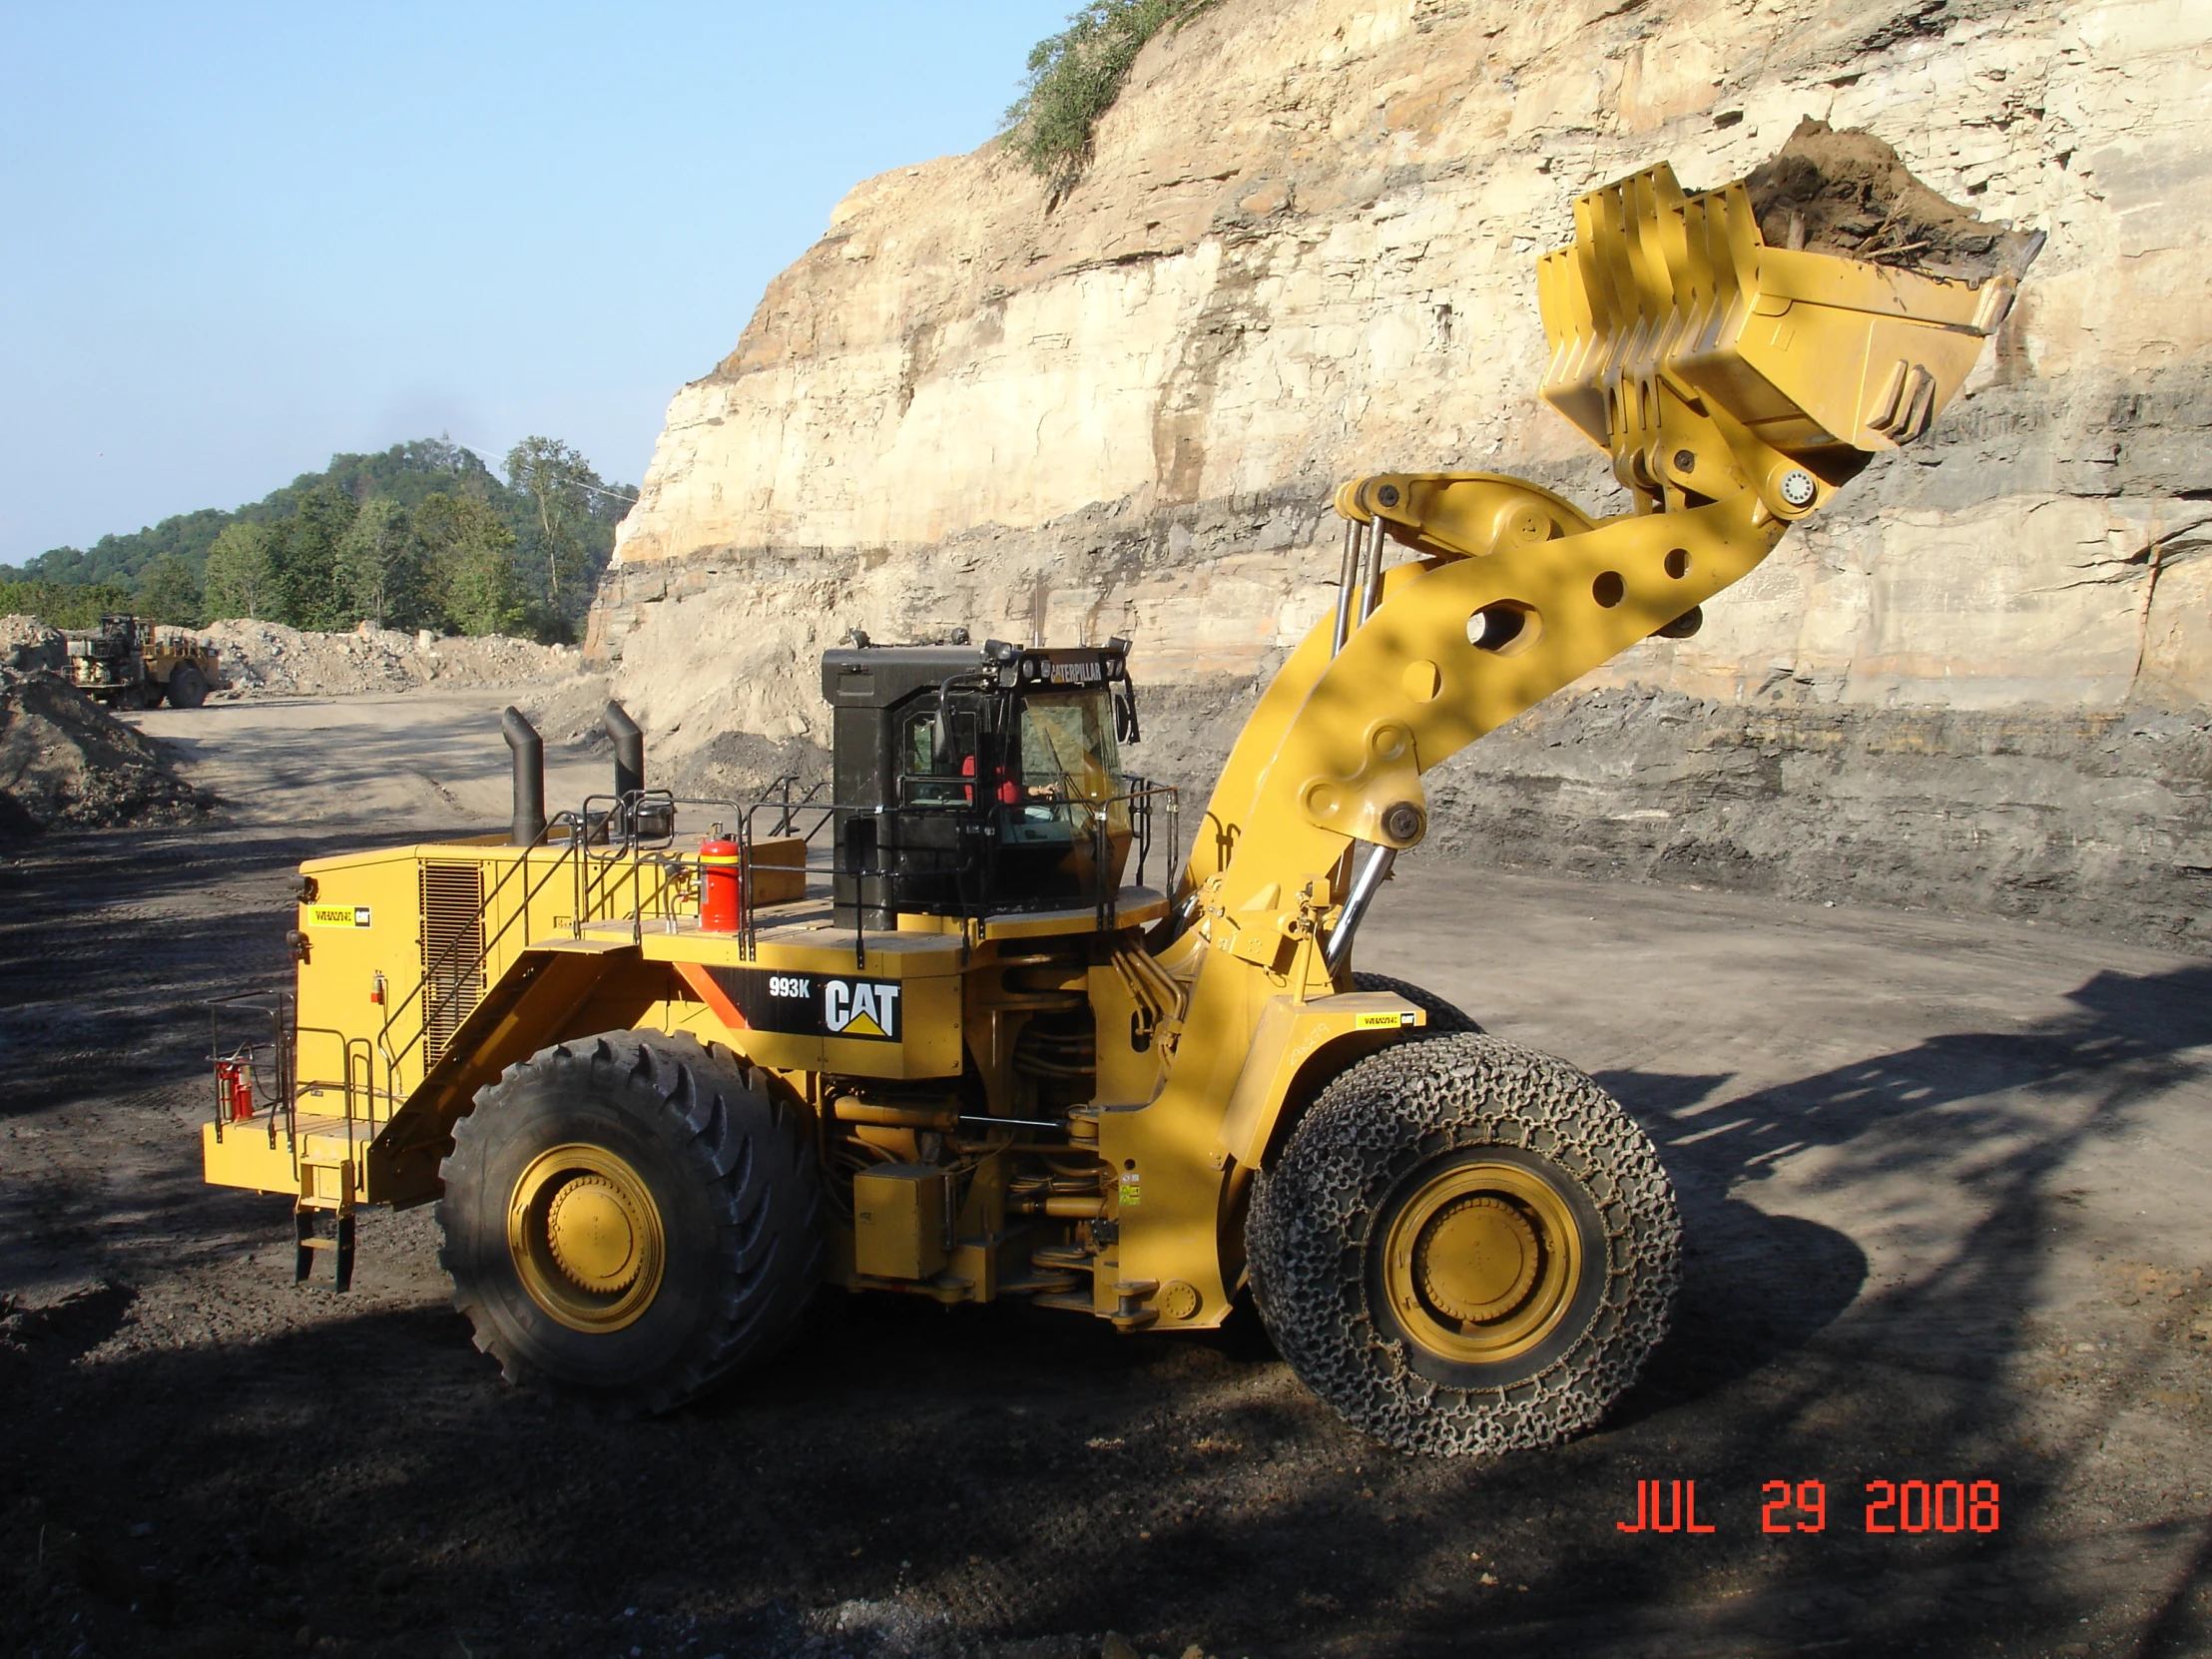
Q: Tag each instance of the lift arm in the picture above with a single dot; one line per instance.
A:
(1736, 387)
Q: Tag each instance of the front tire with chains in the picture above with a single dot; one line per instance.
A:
(1572, 1175)
(631, 1218)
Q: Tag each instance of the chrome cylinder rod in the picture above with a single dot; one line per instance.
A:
(1371, 588)
(1370, 868)
(1348, 569)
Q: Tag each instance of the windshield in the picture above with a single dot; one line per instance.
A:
(1068, 748)
(1059, 756)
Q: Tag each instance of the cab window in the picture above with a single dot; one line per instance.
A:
(924, 781)
(1067, 751)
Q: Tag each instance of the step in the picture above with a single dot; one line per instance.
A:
(307, 1242)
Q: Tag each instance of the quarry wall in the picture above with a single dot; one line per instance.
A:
(1303, 251)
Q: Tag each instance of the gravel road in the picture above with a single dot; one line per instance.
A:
(1943, 1183)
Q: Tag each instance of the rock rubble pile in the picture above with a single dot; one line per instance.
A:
(268, 659)
(66, 762)
(26, 643)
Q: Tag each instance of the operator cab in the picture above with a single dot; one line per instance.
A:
(974, 780)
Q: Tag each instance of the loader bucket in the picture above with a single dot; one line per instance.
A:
(1669, 309)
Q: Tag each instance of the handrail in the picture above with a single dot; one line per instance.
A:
(430, 970)
(278, 1006)
(615, 843)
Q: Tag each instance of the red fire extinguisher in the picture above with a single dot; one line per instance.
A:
(720, 895)
(234, 1081)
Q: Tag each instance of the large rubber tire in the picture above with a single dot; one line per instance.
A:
(729, 1172)
(1443, 1017)
(187, 686)
(1382, 1135)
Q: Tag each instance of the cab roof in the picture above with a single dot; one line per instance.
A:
(868, 676)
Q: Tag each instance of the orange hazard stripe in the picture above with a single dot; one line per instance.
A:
(717, 999)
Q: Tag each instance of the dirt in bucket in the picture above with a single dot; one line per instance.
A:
(1849, 192)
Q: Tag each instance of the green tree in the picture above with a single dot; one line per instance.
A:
(240, 576)
(381, 567)
(407, 473)
(472, 567)
(167, 592)
(288, 569)
(65, 604)
(304, 556)
(559, 484)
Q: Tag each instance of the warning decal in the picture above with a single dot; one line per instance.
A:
(1382, 1022)
(338, 915)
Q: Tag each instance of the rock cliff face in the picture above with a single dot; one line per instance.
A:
(1305, 250)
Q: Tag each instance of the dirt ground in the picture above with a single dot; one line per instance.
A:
(1943, 1183)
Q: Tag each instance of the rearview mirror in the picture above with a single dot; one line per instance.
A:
(1125, 718)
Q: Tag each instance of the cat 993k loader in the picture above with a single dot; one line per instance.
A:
(933, 1033)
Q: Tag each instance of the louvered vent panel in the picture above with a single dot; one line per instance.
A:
(452, 951)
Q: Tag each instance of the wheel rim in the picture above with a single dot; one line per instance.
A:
(1482, 1262)
(586, 1238)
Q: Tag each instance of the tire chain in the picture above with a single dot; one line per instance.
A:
(1371, 1128)
(762, 1298)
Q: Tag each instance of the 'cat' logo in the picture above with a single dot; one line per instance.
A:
(860, 1008)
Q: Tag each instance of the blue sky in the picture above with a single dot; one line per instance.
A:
(242, 239)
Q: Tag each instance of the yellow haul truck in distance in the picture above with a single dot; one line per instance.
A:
(667, 1067)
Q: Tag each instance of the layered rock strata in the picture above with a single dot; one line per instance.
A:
(1305, 250)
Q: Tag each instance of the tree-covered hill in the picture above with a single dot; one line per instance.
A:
(421, 534)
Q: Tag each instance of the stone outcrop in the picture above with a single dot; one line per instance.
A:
(1305, 250)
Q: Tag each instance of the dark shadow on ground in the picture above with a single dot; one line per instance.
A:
(107, 954)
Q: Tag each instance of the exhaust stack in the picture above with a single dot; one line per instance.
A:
(529, 764)
(629, 752)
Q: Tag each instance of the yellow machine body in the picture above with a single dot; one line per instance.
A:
(1735, 386)
(135, 663)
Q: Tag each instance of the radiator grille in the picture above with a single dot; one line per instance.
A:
(452, 951)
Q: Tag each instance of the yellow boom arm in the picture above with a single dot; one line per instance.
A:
(1736, 387)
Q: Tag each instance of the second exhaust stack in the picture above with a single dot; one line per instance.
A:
(629, 751)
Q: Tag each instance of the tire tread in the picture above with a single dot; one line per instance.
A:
(759, 1179)
(1371, 1129)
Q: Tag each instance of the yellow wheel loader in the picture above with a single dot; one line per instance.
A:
(667, 1066)
(134, 664)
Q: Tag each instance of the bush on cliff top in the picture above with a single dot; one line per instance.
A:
(1074, 77)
